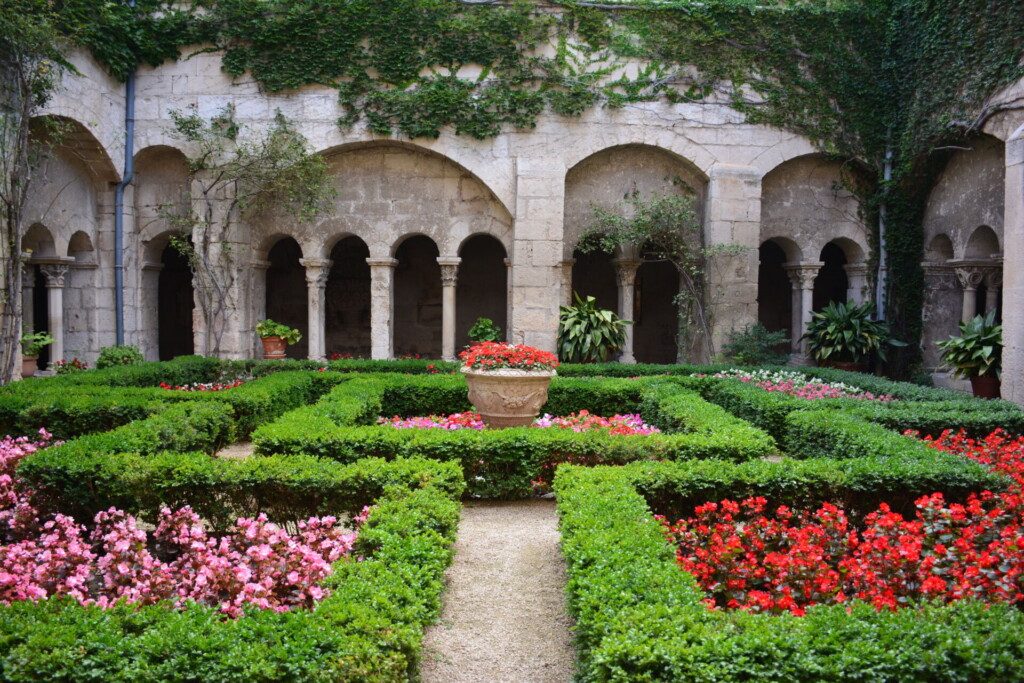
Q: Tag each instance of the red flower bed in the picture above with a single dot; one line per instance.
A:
(784, 561)
(500, 356)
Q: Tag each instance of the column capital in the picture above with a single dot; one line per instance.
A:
(317, 270)
(969, 276)
(382, 262)
(449, 270)
(994, 277)
(54, 274)
(802, 273)
(626, 269)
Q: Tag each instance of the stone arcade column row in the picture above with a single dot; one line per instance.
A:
(382, 306)
(449, 280)
(317, 271)
(54, 273)
(626, 269)
(802, 276)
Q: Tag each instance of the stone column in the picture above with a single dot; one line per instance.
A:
(857, 282)
(382, 308)
(258, 301)
(317, 271)
(802, 276)
(1013, 278)
(993, 281)
(28, 283)
(939, 315)
(508, 299)
(55, 274)
(565, 275)
(449, 279)
(626, 270)
(969, 278)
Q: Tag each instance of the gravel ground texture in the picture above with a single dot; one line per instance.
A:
(504, 615)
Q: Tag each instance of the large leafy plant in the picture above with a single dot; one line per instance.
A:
(846, 332)
(978, 350)
(33, 342)
(483, 330)
(269, 328)
(588, 334)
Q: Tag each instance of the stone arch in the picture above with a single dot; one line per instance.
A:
(939, 249)
(774, 290)
(417, 299)
(694, 155)
(387, 190)
(982, 245)
(161, 185)
(39, 241)
(286, 291)
(80, 248)
(482, 288)
(75, 136)
(347, 299)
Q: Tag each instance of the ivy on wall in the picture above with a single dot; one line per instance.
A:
(858, 77)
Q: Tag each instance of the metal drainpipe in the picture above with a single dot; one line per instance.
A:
(880, 284)
(126, 179)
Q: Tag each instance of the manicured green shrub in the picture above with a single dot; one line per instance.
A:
(931, 418)
(125, 354)
(639, 617)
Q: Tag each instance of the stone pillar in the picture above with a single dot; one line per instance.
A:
(382, 307)
(969, 278)
(449, 279)
(1013, 278)
(802, 276)
(28, 283)
(733, 220)
(317, 270)
(258, 301)
(508, 299)
(993, 281)
(857, 282)
(626, 270)
(939, 314)
(55, 274)
(565, 275)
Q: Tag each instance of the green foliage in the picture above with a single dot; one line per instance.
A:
(587, 334)
(756, 345)
(34, 342)
(269, 328)
(483, 330)
(638, 617)
(978, 349)
(111, 356)
(846, 332)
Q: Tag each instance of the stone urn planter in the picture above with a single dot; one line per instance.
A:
(29, 365)
(508, 397)
(273, 348)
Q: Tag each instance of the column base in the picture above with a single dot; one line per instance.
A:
(799, 359)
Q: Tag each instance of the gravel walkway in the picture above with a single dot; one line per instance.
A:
(237, 451)
(504, 616)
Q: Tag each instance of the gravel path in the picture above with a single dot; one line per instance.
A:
(237, 450)
(504, 616)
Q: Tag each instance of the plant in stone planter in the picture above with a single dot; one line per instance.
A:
(588, 334)
(483, 330)
(31, 345)
(508, 383)
(977, 354)
(844, 336)
(275, 337)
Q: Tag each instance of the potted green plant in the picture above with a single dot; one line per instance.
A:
(588, 334)
(483, 330)
(508, 383)
(31, 345)
(844, 336)
(276, 337)
(977, 354)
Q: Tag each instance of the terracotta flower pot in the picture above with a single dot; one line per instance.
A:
(985, 386)
(273, 348)
(508, 398)
(29, 365)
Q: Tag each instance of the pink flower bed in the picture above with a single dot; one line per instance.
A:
(203, 386)
(257, 564)
(799, 385)
(582, 421)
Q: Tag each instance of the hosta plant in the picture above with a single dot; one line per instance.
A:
(845, 332)
(588, 334)
(977, 352)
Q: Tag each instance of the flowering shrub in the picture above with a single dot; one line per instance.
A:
(205, 386)
(798, 385)
(501, 356)
(788, 561)
(583, 421)
(258, 564)
(67, 367)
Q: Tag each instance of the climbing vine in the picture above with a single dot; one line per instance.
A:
(866, 80)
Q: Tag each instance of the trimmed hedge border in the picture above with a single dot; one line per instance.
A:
(640, 618)
(370, 628)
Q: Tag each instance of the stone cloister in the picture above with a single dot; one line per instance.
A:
(425, 236)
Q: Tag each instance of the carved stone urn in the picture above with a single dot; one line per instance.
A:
(508, 397)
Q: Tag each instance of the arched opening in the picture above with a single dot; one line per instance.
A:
(832, 284)
(286, 292)
(347, 310)
(175, 303)
(481, 290)
(939, 249)
(983, 244)
(593, 274)
(774, 289)
(417, 298)
(655, 315)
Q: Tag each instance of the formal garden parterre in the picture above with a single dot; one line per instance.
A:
(139, 440)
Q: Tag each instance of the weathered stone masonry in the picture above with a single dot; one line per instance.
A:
(426, 235)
